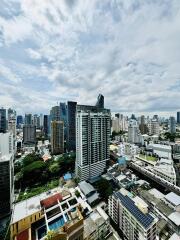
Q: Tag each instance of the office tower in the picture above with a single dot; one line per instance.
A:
(55, 113)
(142, 126)
(155, 117)
(41, 119)
(19, 121)
(28, 119)
(172, 124)
(63, 117)
(12, 126)
(100, 101)
(178, 117)
(117, 115)
(36, 121)
(57, 137)
(131, 216)
(45, 125)
(29, 134)
(6, 173)
(153, 127)
(11, 113)
(2, 120)
(92, 141)
(71, 126)
(133, 117)
(133, 132)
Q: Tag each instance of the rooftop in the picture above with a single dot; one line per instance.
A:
(144, 219)
(29, 206)
(175, 218)
(173, 198)
(86, 187)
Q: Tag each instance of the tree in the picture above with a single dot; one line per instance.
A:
(104, 188)
(30, 158)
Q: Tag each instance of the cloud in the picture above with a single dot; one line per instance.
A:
(127, 50)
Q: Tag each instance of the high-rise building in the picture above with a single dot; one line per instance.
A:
(46, 125)
(63, 117)
(11, 114)
(172, 124)
(178, 117)
(119, 123)
(19, 121)
(92, 141)
(153, 127)
(71, 126)
(6, 173)
(28, 119)
(131, 216)
(57, 137)
(41, 119)
(2, 120)
(100, 101)
(12, 126)
(133, 132)
(55, 113)
(36, 121)
(142, 126)
(29, 134)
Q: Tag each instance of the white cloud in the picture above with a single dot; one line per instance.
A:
(128, 50)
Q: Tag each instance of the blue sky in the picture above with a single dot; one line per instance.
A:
(52, 51)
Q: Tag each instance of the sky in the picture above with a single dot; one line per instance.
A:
(53, 51)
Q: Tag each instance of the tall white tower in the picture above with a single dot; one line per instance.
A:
(92, 141)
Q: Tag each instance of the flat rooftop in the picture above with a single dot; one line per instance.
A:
(31, 205)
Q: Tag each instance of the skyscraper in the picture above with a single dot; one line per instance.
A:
(6, 173)
(29, 134)
(19, 121)
(2, 120)
(172, 124)
(63, 117)
(133, 132)
(45, 125)
(28, 119)
(55, 113)
(142, 126)
(57, 137)
(71, 126)
(178, 117)
(92, 141)
(153, 127)
(100, 101)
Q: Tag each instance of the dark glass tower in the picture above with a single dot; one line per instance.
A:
(2, 120)
(71, 126)
(45, 125)
(100, 101)
(63, 117)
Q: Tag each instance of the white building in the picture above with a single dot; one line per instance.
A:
(119, 123)
(132, 217)
(165, 169)
(92, 141)
(163, 151)
(127, 149)
(6, 173)
(134, 135)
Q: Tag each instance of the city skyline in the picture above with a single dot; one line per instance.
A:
(72, 50)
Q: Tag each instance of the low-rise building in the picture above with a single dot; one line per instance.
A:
(89, 191)
(53, 213)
